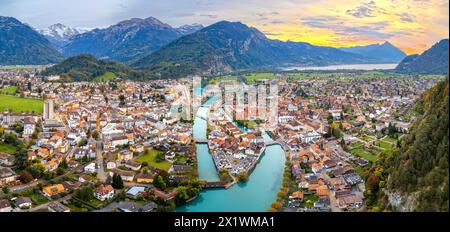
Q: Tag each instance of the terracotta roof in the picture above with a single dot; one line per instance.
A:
(54, 189)
(297, 195)
(104, 189)
(322, 191)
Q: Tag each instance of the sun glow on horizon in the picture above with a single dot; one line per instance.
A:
(411, 25)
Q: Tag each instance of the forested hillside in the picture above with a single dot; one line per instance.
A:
(21, 45)
(415, 177)
(88, 68)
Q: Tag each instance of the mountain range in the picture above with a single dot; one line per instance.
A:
(385, 52)
(432, 61)
(227, 46)
(22, 45)
(127, 39)
(59, 35)
(169, 51)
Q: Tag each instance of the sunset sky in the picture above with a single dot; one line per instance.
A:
(411, 25)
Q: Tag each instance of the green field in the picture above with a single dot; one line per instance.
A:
(35, 197)
(150, 158)
(431, 76)
(389, 140)
(21, 105)
(9, 67)
(250, 78)
(9, 91)
(367, 138)
(38, 199)
(6, 148)
(364, 154)
(310, 75)
(108, 76)
(356, 144)
(219, 79)
(74, 208)
(308, 201)
(384, 144)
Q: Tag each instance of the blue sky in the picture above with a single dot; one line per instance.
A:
(102, 13)
(412, 25)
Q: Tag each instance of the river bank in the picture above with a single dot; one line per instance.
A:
(254, 195)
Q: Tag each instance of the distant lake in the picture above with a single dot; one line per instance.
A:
(345, 67)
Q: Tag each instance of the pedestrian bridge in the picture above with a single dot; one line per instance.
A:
(201, 140)
(282, 144)
(271, 143)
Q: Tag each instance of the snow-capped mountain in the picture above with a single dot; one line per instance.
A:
(59, 34)
(189, 29)
(127, 39)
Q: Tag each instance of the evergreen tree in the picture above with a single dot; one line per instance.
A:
(117, 181)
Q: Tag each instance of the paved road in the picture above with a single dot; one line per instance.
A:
(44, 206)
(19, 188)
(101, 174)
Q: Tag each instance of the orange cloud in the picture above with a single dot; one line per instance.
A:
(411, 25)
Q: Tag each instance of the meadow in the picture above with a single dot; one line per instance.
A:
(360, 152)
(6, 148)
(12, 90)
(21, 105)
(108, 76)
(150, 158)
(252, 77)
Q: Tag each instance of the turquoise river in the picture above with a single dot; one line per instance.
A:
(255, 195)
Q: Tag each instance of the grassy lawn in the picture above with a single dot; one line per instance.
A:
(38, 199)
(12, 90)
(250, 78)
(389, 140)
(308, 201)
(219, 79)
(367, 138)
(181, 159)
(364, 154)
(309, 75)
(108, 76)
(6, 148)
(248, 124)
(299, 75)
(356, 144)
(18, 66)
(384, 144)
(19, 105)
(431, 76)
(150, 158)
(74, 208)
(97, 203)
